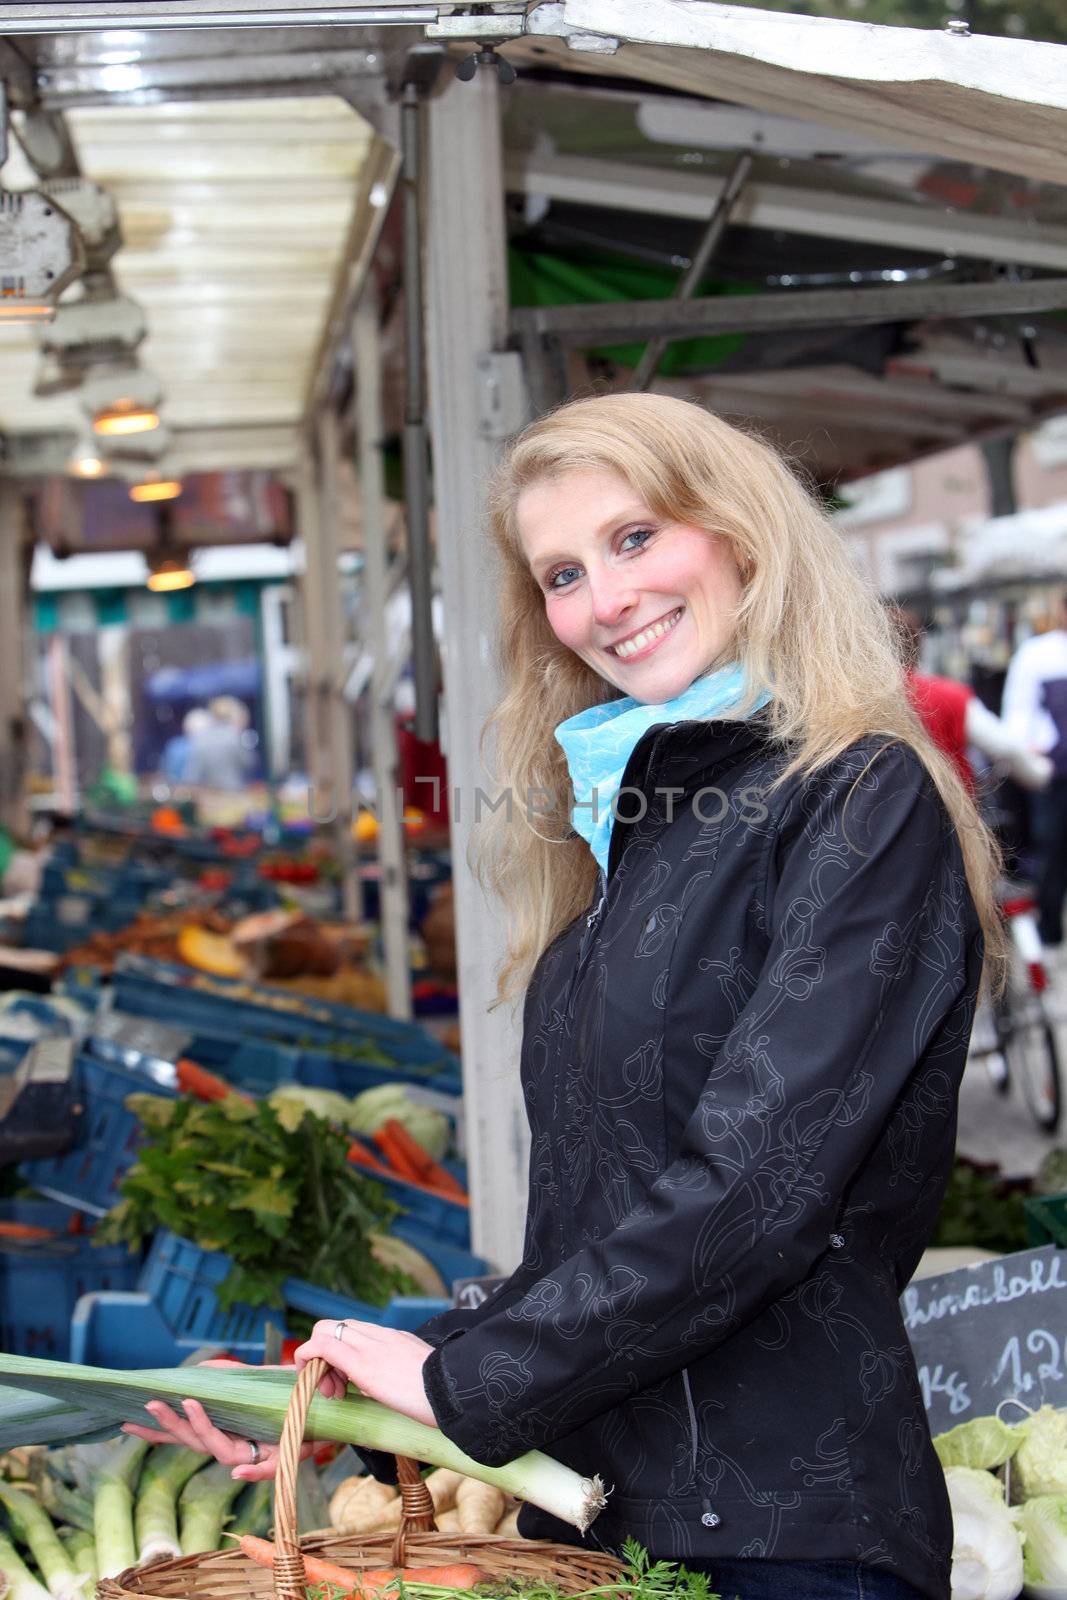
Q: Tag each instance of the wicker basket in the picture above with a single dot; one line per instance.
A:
(229, 1575)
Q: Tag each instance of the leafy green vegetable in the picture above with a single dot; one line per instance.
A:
(1043, 1522)
(1040, 1464)
(984, 1442)
(980, 1208)
(278, 1194)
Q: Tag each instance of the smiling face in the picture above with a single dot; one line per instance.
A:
(648, 603)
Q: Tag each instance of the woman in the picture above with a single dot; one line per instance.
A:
(747, 1002)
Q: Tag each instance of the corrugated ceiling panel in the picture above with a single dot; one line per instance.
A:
(234, 216)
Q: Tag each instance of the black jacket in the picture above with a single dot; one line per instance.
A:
(741, 1076)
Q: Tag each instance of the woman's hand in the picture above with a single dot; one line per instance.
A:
(251, 1459)
(385, 1364)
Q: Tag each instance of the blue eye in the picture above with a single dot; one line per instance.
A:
(641, 534)
(554, 583)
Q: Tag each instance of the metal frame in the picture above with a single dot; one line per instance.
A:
(392, 858)
(466, 321)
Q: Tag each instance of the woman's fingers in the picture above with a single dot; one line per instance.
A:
(249, 1460)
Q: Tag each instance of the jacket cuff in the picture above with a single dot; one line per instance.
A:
(474, 1435)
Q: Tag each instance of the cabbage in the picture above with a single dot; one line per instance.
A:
(987, 1556)
(1040, 1463)
(324, 1103)
(368, 1111)
(374, 1107)
(1043, 1522)
(984, 1442)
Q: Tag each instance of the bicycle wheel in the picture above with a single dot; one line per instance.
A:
(1032, 1053)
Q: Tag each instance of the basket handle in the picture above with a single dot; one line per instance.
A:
(416, 1513)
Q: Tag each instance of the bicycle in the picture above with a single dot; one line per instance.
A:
(1021, 1033)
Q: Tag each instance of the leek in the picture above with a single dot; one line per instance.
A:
(205, 1507)
(113, 1508)
(32, 1526)
(155, 1518)
(254, 1510)
(81, 1547)
(252, 1402)
(17, 1582)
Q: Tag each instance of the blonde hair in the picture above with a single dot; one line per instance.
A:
(689, 466)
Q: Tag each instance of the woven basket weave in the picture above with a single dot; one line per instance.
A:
(229, 1575)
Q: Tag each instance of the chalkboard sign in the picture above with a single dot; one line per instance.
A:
(988, 1333)
(470, 1293)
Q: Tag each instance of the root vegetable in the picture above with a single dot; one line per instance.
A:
(448, 1522)
(357, 1504)
(508, 1526)
(442, 1485)
(480, 1506)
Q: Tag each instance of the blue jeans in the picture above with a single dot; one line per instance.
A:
(804, 1580)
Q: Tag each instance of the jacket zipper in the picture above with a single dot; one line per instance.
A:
(588, 940)
(710, 1517)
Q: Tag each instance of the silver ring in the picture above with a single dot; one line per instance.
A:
(254, 1447)
(339, 1329)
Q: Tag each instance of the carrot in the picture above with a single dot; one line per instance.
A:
(202, 1084)
(395, 1154)
(461, 1575)
(359, 1153)
(429, 1171)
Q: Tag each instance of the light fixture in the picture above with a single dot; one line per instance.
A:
(25, 311)
(86, 460)
(167, 573)
(124, 416)
(154, 486)
(121, 398)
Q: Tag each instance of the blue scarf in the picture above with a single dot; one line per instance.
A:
(599, 742)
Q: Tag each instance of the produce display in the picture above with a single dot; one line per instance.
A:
(1007, 1486)
(371, 1110)
(271, 1185)
(89, 1511)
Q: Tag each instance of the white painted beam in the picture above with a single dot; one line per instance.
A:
(820, 213)
(466, 320)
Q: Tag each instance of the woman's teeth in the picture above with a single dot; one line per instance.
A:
(640, 641)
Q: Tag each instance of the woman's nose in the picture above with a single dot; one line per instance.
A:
(613, 597)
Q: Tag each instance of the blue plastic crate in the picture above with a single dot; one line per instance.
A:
(88, 1175)
(156, 989)
(124, 1330)
(41, 1281)
(446, 1222)
(182, 1279)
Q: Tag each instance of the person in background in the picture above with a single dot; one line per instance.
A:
(178, 752)
(219, 758)
(1034, 710)
(958, 722)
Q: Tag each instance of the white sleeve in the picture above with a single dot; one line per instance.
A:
(997, 740)
(1021, 701)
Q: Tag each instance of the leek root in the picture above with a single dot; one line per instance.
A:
(155, 1517)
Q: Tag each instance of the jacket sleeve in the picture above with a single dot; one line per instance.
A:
(872, 942)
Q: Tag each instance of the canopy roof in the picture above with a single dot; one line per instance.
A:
(245, 178)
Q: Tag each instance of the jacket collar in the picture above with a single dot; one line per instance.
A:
(685, 756)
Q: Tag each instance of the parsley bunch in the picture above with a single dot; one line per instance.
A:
(270, 1186)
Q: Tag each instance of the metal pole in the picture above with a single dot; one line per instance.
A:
(416, 456)
(338, 713)
(13, 812)
(392, 861)
(466, 321)
(693, 276)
